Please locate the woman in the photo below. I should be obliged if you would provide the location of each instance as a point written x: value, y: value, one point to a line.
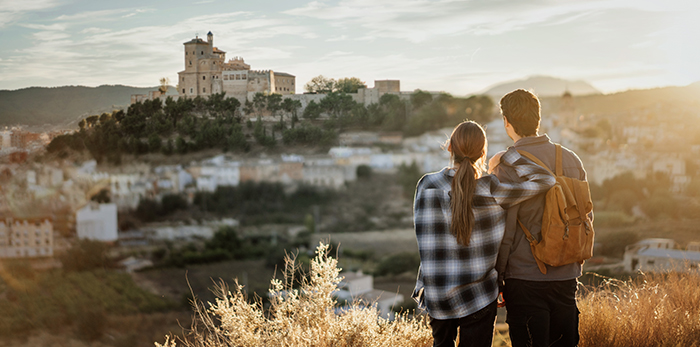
x: 459, y: 218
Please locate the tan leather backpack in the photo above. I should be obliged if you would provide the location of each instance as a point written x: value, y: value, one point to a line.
x: 567, y: 231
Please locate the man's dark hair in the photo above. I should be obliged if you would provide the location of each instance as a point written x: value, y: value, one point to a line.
x: 522, y: 110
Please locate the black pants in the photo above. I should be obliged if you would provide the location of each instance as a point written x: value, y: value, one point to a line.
x: 474, y: 330
x: 542, y: 314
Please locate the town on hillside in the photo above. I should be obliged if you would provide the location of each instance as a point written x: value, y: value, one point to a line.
x: 238, y: 155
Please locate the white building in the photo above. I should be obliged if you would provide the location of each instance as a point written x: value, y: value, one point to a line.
x: 358, y: 286
x: 324, y: 174
x: 21, y: 238
x: 225, y: 174
x: 658, y: 255
x: 6, y: 138
x: 97, y: 222
x: 128, y: 189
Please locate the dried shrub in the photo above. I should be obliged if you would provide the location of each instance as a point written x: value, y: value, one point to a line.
x: 651, y: 310
x: 302, y: 312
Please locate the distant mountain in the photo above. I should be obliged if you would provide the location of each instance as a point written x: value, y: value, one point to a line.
x: 63, y: 105
x: 662, y: 98
x: 543, y: 86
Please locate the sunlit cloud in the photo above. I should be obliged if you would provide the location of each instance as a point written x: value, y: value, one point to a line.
x: 419, y: 20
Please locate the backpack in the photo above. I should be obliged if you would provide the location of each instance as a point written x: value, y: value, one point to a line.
x: 567, y: 230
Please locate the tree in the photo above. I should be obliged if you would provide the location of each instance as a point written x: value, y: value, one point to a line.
x: 291, y: 106
x: 259, y: 103
x: 92, y: 120
x: 274, y: 105
x: 395, y: 111
x: 349, y: 85
x: 164, y: 85
x: 337, y: 104
x: 312, y: 110
x: 320, y: 85
x: 248, y: 108
x: 420, y: 98
x: 154, y: 143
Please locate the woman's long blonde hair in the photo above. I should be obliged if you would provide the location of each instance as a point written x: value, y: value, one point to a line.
x: 467, y: 146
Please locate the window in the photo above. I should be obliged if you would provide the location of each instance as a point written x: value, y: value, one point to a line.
x: 185, y: 52
x: 191, y: 90
x: 183, y: 79
x: 204, y: 90
x: 190, y: 62
x: 204, y: 77
x: 202, y: 53
x: 225, y: 77
x: 238, y: 77
x: 183, y: 90
x: 244, y: 76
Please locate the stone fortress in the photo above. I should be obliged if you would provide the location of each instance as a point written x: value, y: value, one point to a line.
x: 207, y: 72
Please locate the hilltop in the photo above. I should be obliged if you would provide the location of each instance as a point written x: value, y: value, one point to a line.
x: 63, y: 105
x: 543, y: 86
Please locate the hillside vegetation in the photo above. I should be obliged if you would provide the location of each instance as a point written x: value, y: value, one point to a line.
x: 62, y: 105
x: 189, y: 125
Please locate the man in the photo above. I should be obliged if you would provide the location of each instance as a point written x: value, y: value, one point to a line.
x: 541, y: 308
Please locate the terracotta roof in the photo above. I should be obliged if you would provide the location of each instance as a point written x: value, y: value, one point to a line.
x: 217, y: 50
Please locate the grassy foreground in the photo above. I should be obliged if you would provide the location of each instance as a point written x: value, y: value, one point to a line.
x: 651, y: 310
x: 300, y: 315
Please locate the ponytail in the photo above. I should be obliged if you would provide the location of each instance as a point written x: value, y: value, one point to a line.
x: 463, y: 186
x: 468, y: 148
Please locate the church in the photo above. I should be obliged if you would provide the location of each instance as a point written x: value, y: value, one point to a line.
x: 207, y: 72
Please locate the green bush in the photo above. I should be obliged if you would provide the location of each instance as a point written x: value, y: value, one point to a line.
x: 398, y: 263
x: 364, y: 171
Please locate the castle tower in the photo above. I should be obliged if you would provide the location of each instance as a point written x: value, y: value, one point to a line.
x: 202, y: 74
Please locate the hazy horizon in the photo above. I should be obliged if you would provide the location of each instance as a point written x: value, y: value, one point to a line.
x: 460, y: 47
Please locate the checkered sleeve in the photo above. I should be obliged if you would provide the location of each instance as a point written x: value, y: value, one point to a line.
x: 538, y: 180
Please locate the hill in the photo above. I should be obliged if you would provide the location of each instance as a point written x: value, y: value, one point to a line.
x: 686, y: 97
x: 543, y: 86
x: 62, y: 105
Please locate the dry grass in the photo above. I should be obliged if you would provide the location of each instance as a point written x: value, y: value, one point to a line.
x: 652, y: 310
x: 300, y: 315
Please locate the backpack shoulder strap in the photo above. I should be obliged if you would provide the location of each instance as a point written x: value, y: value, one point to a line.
x: 529, y: 155
x: 558, y: 168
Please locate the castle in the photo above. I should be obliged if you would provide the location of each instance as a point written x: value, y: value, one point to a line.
x: 207, y: 72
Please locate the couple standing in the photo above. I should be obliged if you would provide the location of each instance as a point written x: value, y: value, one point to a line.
x: 465, y: 225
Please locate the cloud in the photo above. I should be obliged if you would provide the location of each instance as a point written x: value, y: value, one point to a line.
x: 52, y: 27
x: 419, y: 20
x: 92, y: 16
x: 94, y: 30
x: 12, y: 11
x: 139, y: 55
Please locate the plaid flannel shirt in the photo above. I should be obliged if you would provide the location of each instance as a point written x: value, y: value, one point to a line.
x: 455, y: 281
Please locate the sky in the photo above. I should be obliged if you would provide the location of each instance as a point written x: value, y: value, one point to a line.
x: 460, y: 47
